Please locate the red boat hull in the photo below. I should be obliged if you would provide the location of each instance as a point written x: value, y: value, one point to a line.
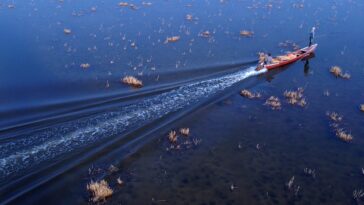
x: 300, y: 54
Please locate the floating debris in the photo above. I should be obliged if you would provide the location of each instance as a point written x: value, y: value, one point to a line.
x: 295, y: 97
x: 172, y: 39
x: 342, y: 135
x: 132, y: 81
x: 11, y: 6
x: 99, y: 190
x: 248, y: 94
x: 273, y: 102
x: 67, y: 31
x: 172, y: 136
x: 184, y: 131
x: 246, y: 33
x: 85, y: 65
x: 337, y: 72
x: 119, y: 181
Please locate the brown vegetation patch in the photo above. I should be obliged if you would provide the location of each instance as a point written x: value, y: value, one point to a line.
x: 273, y: 102
x: 132, y: 81
x: 172, y: 136
x: 184, y: 131
x: 246, y: 33
x: 335, y: 117
x: 172, y: 39
x: 337, y: 72
x: 250, y: 95
x: 344, y: 136
x: 99, y: 190
x: 67, y: 31
x: 295, y: 97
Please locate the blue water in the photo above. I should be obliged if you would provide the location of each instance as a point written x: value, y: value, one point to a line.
x: 58, y: 119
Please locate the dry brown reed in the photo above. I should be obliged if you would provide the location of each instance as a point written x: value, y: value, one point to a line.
x: 132, y: 81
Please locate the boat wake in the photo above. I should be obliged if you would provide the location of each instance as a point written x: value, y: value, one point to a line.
x: 27, y: 152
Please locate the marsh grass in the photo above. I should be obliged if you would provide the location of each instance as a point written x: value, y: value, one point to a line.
x: 184, y: 131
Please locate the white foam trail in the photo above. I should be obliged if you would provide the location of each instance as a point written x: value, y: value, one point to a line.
x: 28, y: 151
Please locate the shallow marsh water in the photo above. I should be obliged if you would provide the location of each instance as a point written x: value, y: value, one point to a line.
x: 60, y: 121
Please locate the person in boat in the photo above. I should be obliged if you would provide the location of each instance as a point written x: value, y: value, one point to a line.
x: 312, y: 36
x: 261, y: 61
x: 268, y: 59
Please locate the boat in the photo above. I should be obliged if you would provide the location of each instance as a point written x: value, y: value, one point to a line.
x: 289, y: 58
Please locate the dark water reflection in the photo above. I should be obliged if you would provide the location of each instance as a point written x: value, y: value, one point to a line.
x: 42, y: 86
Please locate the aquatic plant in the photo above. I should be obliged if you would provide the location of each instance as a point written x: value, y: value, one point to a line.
x: 295, y: 97
x: 67, y: 31
x: 248, y: 94
x: 337, y: 72
x: 172, y: 39
x: 189, y: 17
x: 184, y: 131
x: 99, y: 190
x: 205, y: 34
x: 113, y: 169
x: 119, y: 181
x: 334, y: 116
x: 342, y: 135
x: 172, y: 136
x: 85, y: 65
x: 123, y: 4
x: 290, y: 183
x: 358, y: 194
x: 273, y: 102
x: 246, y: 33
x: 132, y: 81
x: 310, y: 172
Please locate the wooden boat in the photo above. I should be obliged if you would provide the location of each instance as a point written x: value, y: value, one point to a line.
x: 289, y: 58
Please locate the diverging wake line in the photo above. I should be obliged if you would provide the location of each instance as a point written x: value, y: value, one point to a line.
x: 27, y: 151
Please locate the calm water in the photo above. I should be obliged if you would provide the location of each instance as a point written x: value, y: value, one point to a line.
x: 62, y: 126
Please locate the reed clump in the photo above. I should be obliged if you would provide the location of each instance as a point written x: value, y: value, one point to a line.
x: 172, y: 39
x: 99, y: 190
x: 337, y: 72
x: 273, y: 102
x: 185, y: 131
x: 246, y: 33
x: 249, y: 94
x: 132, y: 81
x: 344, y: 136
x: 172, y: 136
x: 335, y: 117
x: 295, y: 97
